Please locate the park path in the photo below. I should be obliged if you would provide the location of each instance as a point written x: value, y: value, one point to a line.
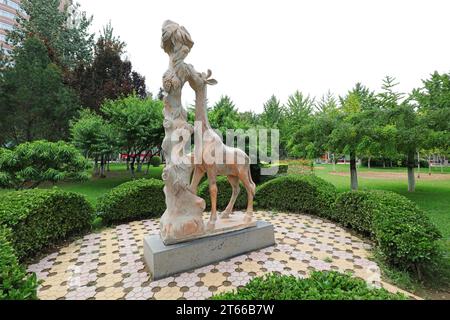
x: 395, y: 175
x: 108, y: 265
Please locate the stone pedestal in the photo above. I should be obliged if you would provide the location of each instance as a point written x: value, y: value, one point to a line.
x: 164, y: 261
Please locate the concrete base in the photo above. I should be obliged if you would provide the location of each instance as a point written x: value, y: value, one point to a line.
x: 164, y: 261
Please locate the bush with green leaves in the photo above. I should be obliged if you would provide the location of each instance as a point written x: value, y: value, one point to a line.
x: 223, y: 195
x: 143, y: 198
x: 15, y: 283
x: 404, y: 234
x: 41, y: 218
x: 319, y: 286
x: 155, y: 161
x: 355, y: 210
x: 299, y: 193
x: 32, y: 163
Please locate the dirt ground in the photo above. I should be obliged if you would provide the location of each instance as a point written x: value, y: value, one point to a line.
x: 394, y: 175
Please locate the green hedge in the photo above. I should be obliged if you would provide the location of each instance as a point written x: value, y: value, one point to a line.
x: 15, y: 283
x: 299, y: 193
x: 143, y: 198
x: 42, y: 218
x: 224, y: 194
x: 404, y: 234
x: 355, y: 210
x: 319, y: 286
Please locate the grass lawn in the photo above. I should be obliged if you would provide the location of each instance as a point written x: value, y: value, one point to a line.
x: 96, y: 187
x: 433, y: 196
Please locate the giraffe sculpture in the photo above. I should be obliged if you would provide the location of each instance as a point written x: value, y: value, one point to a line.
x: 213, y: 158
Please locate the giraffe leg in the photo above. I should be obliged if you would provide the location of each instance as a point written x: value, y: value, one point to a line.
x: 196, y: 178
x: 234, y: 181
x: 251, y: 189
x: 213, y: 194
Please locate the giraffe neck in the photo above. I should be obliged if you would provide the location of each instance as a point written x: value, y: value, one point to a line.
x: 201, y: 113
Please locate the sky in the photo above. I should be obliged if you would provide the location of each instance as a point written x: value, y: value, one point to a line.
x: 256, y: 48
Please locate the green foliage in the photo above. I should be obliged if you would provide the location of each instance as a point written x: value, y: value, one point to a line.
x: 142, y: 198
x: 300, y: 193
x: 43, y: 218
x: 356, y: 210
x: 224, y: 194
x: 403, y: 233
x: 155, y: 161
x: 319, y: 286
x: 138, y: 124
x: 109, y: 76
x: 32, y: 163
x: 15, y: 283
x: 34, y: 102
x: 224, y: 116
x: 64, y: 32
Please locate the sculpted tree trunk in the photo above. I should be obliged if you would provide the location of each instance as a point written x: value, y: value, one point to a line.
x: 183, y: 218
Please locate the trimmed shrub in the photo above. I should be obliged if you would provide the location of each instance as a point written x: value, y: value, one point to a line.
x: 143, y: 198
x: 223, y: 195
x: 42, y: 218
x: 319, y: 286
x: 404, y: 234
x: 299, y: 193
x: 15, y: 283
x: 155, y: 161
x: 355, y: 210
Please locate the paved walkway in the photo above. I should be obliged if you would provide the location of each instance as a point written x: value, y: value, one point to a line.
x: 109, y: 264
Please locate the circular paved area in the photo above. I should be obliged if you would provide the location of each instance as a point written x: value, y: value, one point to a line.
x: 109, y: 264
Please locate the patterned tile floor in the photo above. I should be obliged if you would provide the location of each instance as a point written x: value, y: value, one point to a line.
x: 109, y: 265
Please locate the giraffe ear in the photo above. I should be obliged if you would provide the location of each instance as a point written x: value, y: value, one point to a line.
x: 212, y: 82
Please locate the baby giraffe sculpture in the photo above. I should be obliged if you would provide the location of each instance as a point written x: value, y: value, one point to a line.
x: 213, y: 155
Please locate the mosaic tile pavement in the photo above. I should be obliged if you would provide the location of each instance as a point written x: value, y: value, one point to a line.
x: 109, y: 265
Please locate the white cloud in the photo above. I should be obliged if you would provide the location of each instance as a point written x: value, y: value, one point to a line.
x: 259, y: 48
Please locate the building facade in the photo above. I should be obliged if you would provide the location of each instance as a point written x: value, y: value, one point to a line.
x: 9, y: 10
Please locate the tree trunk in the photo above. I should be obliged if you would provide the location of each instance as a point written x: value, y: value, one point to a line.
x: 384, y: 164
x: 353, y: 171
x: 139, y: 164
x: 334, y: 162
x: 411, y: 177
x: 441, y: 161
x: 418, y: 165
x: 95, y: 173
x: 368, y: 162
x: 132, y: 167
x: 429, y: 165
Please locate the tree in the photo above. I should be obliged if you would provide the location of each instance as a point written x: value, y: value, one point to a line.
x: 138, y: 125
x: 406, y: 124
x: 34, y: 102
x: 298, y: 115
x: 224, y: 116
x: 434, y: 104
x: 65, y: 33
x: 353, y: 126
x: 95, y: 138
x: 109, y: 76
x: 32, y: 163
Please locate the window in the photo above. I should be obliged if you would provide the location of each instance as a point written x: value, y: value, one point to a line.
x: 7, y: 14
x: 6, y: 26
x: 12, y: 4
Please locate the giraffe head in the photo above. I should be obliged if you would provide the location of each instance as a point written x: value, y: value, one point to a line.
x: 206, y: 77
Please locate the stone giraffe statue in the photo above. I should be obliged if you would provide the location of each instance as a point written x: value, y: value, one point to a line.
x: 183, y: 218
x: 213, y: 157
